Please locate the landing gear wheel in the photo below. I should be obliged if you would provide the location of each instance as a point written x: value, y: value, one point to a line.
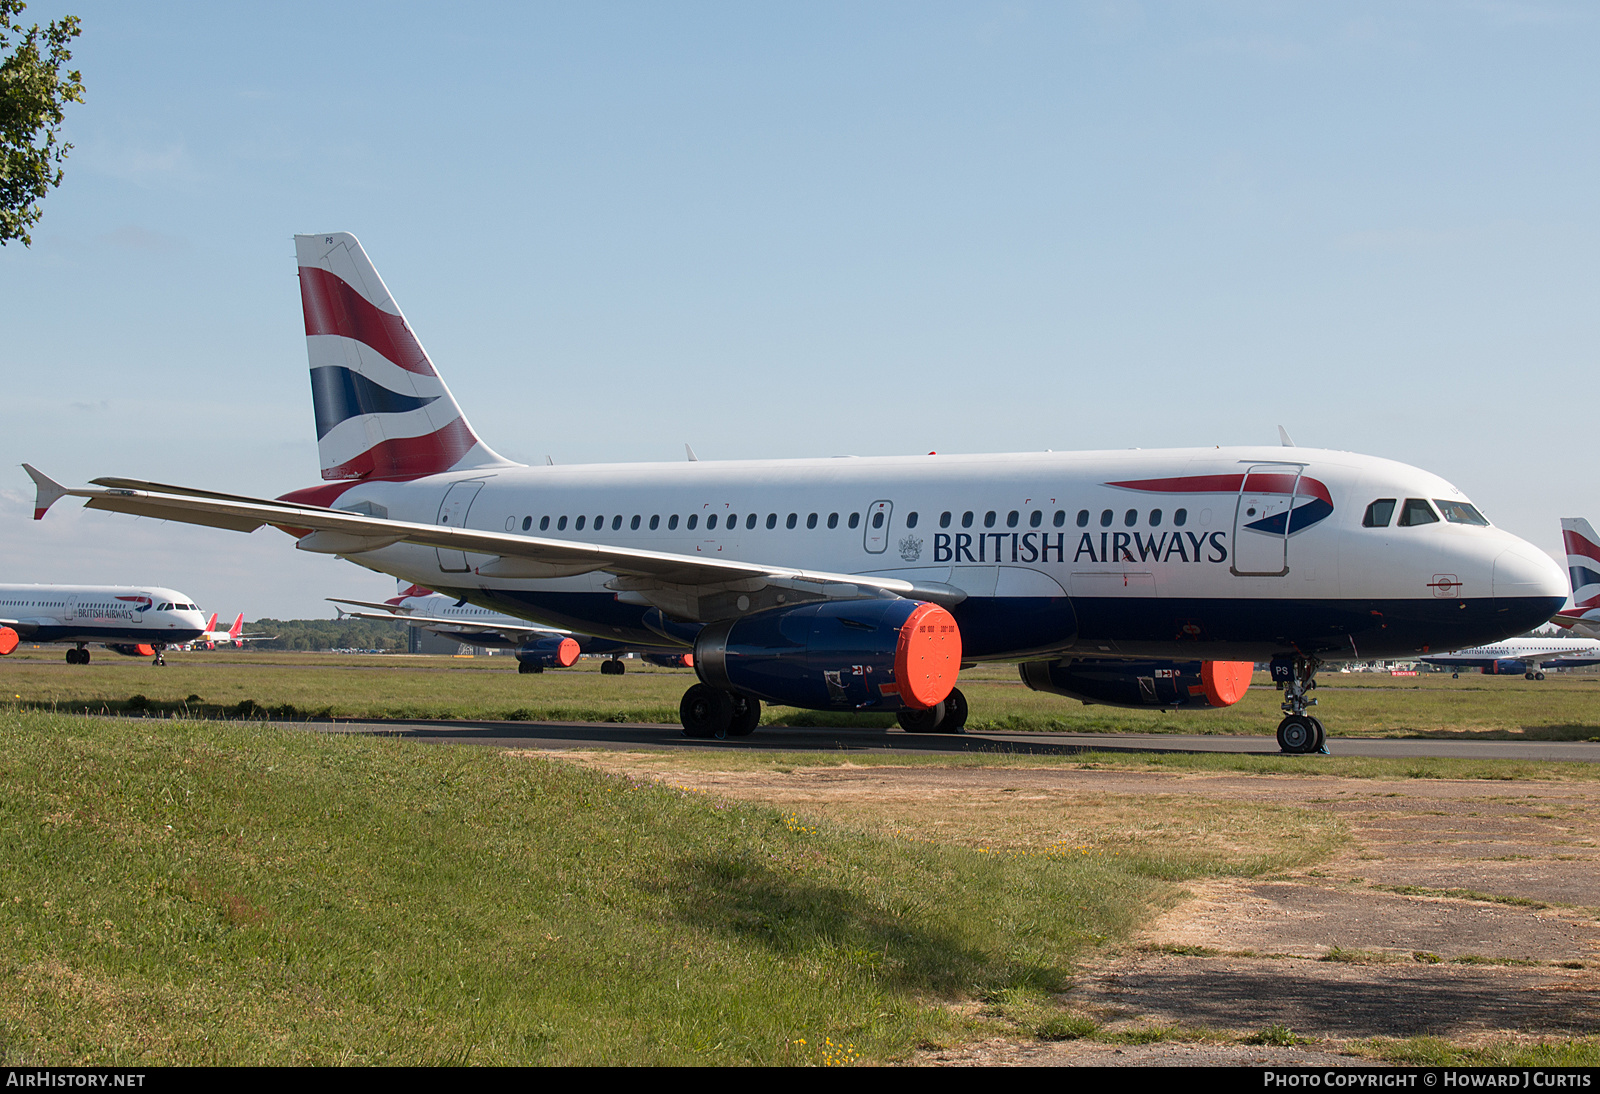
x: 77, y: 657
x: 1322, y: 735
x: 1527, y: 676
x: 955, y: 713
x: 746, y: 716
x: 1538, y: 676
x: 706, y: 711
x: 613, y: 667
x: 921, y: 721
x: 523, y: 666
x: 160, y: 661
x: 1297, y: 734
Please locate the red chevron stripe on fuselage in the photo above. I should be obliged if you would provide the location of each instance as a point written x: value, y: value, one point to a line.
x: 1264, y: 482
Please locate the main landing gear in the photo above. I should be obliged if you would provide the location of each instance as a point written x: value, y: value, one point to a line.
x: 1299, y: 732
x: 1533, y: 676
x: 613, y: 667
x: 160, y: 659
x: 949, y: 716
x: 79, y: 656
x: 711, y: 712
x: 524, y: 667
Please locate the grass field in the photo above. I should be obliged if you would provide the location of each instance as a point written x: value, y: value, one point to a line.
x: 185, y: 892
x: 233, y: 685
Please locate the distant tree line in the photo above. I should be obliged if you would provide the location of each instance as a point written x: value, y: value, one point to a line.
x: 329, y: 634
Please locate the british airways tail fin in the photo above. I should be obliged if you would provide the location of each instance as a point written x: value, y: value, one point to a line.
x: 382, y: 410
x: 1583, y: 561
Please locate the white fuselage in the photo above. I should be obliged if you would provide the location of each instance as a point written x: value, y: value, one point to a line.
x: 138, y: 614
x: 1164, y: 553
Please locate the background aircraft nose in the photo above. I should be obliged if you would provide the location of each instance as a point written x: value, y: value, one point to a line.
x: 1524, y: 572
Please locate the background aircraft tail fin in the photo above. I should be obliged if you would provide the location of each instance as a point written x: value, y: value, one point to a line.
x: 382, y: 410
x: 1583, y: 561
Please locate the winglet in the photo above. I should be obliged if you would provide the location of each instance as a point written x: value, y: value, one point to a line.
x: 49, y: 491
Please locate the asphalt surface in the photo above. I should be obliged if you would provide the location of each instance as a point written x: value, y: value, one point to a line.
x: 563, y: 735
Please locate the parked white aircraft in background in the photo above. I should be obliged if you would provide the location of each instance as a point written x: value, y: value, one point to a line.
x: 1140, y: 577
x: 1583, y: 568
x: 1524, y: 656
x: 137, y: 621
x: 234, y: 636
x: 537, y: 647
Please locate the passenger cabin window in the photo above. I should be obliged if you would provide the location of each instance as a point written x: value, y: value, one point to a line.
x: 579, y: 524
x: 833, y: 520
x: 794, y: 518
x: 855, y: 519
x: 655, y: 521
x: 1460, y: 512
x: 911, y: 519
x: 672, y: 522
x: 1155, y: 518
x: 877, y: 519
x: 1083, y: 518
x: 616, y: 523
x: 544, y: 523
x: 1417, y: 511
x: 1011, y: 519
x: 811, y: 521
x: 633, y: 525
x: 527, y: 522
x: 966, y: 519
x: 1036, y: 519
x: 772, y: 520
x: 1131, y: 517
x: 944, y: 520
x: 988, y: 519
x: 1379, y: 513
x: 711, y: 522
x: 694, y: 518
x: 1180, y: 517
x: 1106, y: 517
x: 561, y: 525
x: 750, y: 520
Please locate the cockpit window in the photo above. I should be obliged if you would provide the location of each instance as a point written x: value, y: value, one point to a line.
x: 1417, y: 511
x: 1379, y: 513
x: 1460, y: 512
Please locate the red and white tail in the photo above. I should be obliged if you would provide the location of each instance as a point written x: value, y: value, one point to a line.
x: 405, y: 591
x: 1583, y: 561
x: 382, y: 410
x: 236, y: 630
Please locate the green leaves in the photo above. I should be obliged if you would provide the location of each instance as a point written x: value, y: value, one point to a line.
x: 33, y: 93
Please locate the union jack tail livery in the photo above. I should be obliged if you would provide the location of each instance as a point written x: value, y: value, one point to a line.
x: 1583, y: 561
x: 382, y: 410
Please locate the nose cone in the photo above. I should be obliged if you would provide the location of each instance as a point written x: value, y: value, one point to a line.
x: 1524, y: 572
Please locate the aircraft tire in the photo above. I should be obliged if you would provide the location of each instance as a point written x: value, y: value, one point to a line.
x: 523, y: 666
x: 1527, y: 676
x: 1538, y: 676
x: 706, y: 712
x: 746, y: 716
x: 955, y: 713
x: 921, y: 721
x: 1297, y: 735
x: 1322, y: 734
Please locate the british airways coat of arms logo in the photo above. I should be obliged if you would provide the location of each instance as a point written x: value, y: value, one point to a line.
x: 911, y: 548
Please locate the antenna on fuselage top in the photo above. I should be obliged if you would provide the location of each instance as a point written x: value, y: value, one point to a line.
x: 1283, y: 435
x: 692, y: 457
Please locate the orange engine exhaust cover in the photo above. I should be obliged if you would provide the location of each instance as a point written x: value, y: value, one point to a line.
x: 928, y: 658
x: 1225, y: 681
x: 8, y: 640
x: 567, y: 653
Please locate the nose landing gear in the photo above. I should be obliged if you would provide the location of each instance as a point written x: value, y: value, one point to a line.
x: 1299, y: 733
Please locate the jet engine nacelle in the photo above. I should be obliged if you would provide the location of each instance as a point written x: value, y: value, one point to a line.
x: 1504, y: 667
x: 670, y: 660
x: 556, y: 651
x: 887, y: 655
x: 1144, y: 684
x: 131, y: 649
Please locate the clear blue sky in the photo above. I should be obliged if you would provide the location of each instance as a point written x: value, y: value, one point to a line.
x: 808, y: 229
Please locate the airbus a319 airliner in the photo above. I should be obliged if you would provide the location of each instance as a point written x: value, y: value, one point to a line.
x: 135, y: 621
x: 1148, y: 578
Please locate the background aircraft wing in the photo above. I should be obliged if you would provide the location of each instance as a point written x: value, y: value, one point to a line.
x: 687, y: 586
x: 464, y: 627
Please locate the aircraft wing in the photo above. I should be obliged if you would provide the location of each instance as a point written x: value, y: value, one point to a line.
x: 427, y: 621
x: 688, y: 586
x: 23, y: 627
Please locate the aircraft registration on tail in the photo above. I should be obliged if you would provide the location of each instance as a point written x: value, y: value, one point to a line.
x: 1150, y: 578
